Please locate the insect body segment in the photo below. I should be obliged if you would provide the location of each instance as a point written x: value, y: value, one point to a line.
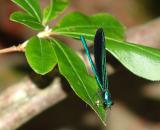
x: 107, y: 99
x: 99, y: 69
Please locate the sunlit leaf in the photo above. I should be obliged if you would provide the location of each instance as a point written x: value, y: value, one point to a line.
x: 27, y: 20
x: 32, y: 7
x: 76, y: 24
x: 142, y: 61
x: 40, y: 55
x: 54, y: 9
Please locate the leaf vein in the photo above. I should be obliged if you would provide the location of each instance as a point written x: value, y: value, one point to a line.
x: 35, y: 12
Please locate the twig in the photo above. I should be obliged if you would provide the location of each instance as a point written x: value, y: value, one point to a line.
x: 19, y: 48
x: 12, y: 49
x: 24, y: 100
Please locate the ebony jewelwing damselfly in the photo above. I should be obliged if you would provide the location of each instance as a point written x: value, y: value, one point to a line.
x: 99, y: 68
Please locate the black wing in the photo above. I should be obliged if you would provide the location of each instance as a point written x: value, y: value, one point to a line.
x: 100, y: 57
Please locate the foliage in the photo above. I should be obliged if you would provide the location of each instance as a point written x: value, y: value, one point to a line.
x: 44, y: 51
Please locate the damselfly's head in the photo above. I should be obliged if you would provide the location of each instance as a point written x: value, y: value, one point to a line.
x: 107, y: 99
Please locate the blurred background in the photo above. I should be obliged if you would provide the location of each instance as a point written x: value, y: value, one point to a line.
x: 136, y: 100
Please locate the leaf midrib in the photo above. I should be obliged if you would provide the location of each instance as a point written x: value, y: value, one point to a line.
x: 86, y: 26
x: 35, y: 12
x: 41, y: 54
x: 50, y: 11
x: 32, y: 22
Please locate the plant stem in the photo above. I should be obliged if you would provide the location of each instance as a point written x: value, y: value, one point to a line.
x: 18, y: 48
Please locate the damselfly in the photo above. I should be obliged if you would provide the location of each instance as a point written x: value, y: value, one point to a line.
x: 99, y: 68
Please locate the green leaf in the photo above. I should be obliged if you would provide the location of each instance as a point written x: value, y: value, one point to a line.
x: 32, y: 7
x: 27, y: 20
x: 74, y: 70
x: 76, y: 24
x: 55, y: 8
x: 142, y: 61
x: 40, y: 55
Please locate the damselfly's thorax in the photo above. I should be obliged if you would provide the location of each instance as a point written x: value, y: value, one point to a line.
x: 107, y: 99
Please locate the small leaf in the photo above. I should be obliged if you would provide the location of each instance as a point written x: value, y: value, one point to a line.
x: 32, y: 7
x: 74, y: 70
x: 40, y: 55
x: 27, y: 20
x: 55, y: 8
x: 76, y: 24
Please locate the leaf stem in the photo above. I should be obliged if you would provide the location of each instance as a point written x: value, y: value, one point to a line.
x: 19, y: 48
